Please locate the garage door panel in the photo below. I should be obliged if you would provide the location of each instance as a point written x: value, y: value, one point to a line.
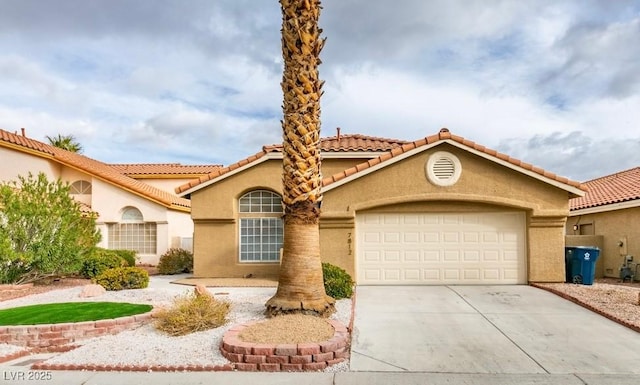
x: 461, y: 248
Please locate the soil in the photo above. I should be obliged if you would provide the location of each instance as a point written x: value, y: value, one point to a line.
x: 288, y: 329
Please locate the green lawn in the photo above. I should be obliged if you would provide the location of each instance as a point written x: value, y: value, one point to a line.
x: 53, y: 313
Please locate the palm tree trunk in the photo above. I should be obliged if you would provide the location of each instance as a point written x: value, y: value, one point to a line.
x: 300, y: 284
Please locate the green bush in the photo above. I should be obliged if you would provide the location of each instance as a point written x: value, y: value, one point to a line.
x: 192, y: 313
x: 123, y: 278
x: 43, y: 230
x: 337, y: 282
x: 176, y: 261
x: 99, y: 261
x: 128, y: 255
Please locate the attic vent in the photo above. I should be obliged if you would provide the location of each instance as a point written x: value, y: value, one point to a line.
x: 443, y: 169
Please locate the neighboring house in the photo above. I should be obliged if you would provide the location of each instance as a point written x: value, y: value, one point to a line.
x: 608, y: 217
x: 440, y: 210
x: 165, y: 176
x: 131, y: 214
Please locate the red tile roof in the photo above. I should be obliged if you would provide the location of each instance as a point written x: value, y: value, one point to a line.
x: 391, y: 148
x: 165, y: 169
x: 620, y: 187
x: 444, y: 134
x: 95, y: 168
x: 353, y: 143
x: 338, y: 143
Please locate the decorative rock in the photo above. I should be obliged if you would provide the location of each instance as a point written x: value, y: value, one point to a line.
x: 201, y: 290
x: 92, y: 291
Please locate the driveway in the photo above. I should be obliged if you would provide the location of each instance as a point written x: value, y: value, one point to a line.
x: 485, y: 329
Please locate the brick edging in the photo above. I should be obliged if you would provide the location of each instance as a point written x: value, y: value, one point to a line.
x: 53, y: 337
x: 587, y: 306
x: 251, y: 357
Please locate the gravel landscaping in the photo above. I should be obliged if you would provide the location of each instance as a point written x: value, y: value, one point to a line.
x: 146, y: 346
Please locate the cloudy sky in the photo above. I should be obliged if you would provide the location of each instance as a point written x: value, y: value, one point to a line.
x: 555, y: 83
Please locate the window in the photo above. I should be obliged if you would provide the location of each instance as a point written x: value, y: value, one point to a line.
x: 132, y: 233
x: 80, y: 187
x: 260, y: 235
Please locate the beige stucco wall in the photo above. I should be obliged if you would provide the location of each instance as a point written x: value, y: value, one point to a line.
x: 16, y: 163
x: 403, y: 186
x: 483, y: 185
x: 615, y: 227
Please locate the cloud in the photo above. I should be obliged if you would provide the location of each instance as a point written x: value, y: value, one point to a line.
x: 576, y: 155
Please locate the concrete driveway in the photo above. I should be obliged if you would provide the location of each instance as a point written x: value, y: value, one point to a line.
x: 485, y: 329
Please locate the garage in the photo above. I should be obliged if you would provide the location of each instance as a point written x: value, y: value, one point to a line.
x: 441, y: 248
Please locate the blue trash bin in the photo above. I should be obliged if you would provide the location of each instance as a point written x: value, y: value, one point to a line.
x: 580, y: 262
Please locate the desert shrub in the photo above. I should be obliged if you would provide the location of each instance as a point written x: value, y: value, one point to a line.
x: 99, y: 261
x: 337, y: 282
x: 128, y: 255
x: 192, y: 313
x: 122, y: 278
x: 176, y: 261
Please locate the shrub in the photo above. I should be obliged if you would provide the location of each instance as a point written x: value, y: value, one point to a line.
x: 129, y: 256
x: 99, y: 261
x: 337, y: 282
x: 43, y: 231
x: 192, y: 313
x: 176, y: 261
x: 122, y: 278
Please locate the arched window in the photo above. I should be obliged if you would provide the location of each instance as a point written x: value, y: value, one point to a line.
x: 131, y: 214
x: 80, y: 187
x: 132, y: 233
x: 261, y: 229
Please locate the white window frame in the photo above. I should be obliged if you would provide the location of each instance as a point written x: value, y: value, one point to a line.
x: 133, y: 233
x: 260, y: 236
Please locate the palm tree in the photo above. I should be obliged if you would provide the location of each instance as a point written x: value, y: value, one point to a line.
x: 65, y: 142
x: 300, y: 284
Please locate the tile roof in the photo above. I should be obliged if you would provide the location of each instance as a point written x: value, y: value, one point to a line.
x: 620, y: 187
x: 353, y: 143
x: 165, y: 169
x: 338, y: 143
x: 95, y: 168
x: 392, y: 148
x: 443, y: 135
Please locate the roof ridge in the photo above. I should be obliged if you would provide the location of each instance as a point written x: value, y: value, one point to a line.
x: 442, y: 135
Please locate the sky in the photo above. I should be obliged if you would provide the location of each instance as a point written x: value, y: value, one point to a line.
x: 555, y: 83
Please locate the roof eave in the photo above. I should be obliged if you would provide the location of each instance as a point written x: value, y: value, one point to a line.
x: 264, y: 158
x: 605, y: 208
x: 564, y: 186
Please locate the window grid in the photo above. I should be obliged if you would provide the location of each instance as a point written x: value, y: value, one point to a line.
x: 141, y: 237
x: 261, y: 201
x: 80, y: 187
x: 260, y: 239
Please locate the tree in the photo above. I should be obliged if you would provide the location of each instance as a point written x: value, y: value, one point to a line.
x: 65, y: 142
x: 43, y: 231
x: 300, y: 283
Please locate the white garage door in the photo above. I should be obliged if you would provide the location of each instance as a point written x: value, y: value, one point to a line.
x: 446, y: 248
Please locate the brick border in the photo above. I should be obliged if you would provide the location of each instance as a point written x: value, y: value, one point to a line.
x: 53, y: 337
x: 253, y: 357
x: 587, y: 306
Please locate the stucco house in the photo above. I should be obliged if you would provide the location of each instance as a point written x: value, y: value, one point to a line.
x: 608, y: 217
x: 132, y: 214
x: 439, y: 210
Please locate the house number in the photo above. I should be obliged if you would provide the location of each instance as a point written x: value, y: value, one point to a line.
x: 349, y: 243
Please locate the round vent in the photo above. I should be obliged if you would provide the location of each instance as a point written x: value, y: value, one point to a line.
x: 443, y: 169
